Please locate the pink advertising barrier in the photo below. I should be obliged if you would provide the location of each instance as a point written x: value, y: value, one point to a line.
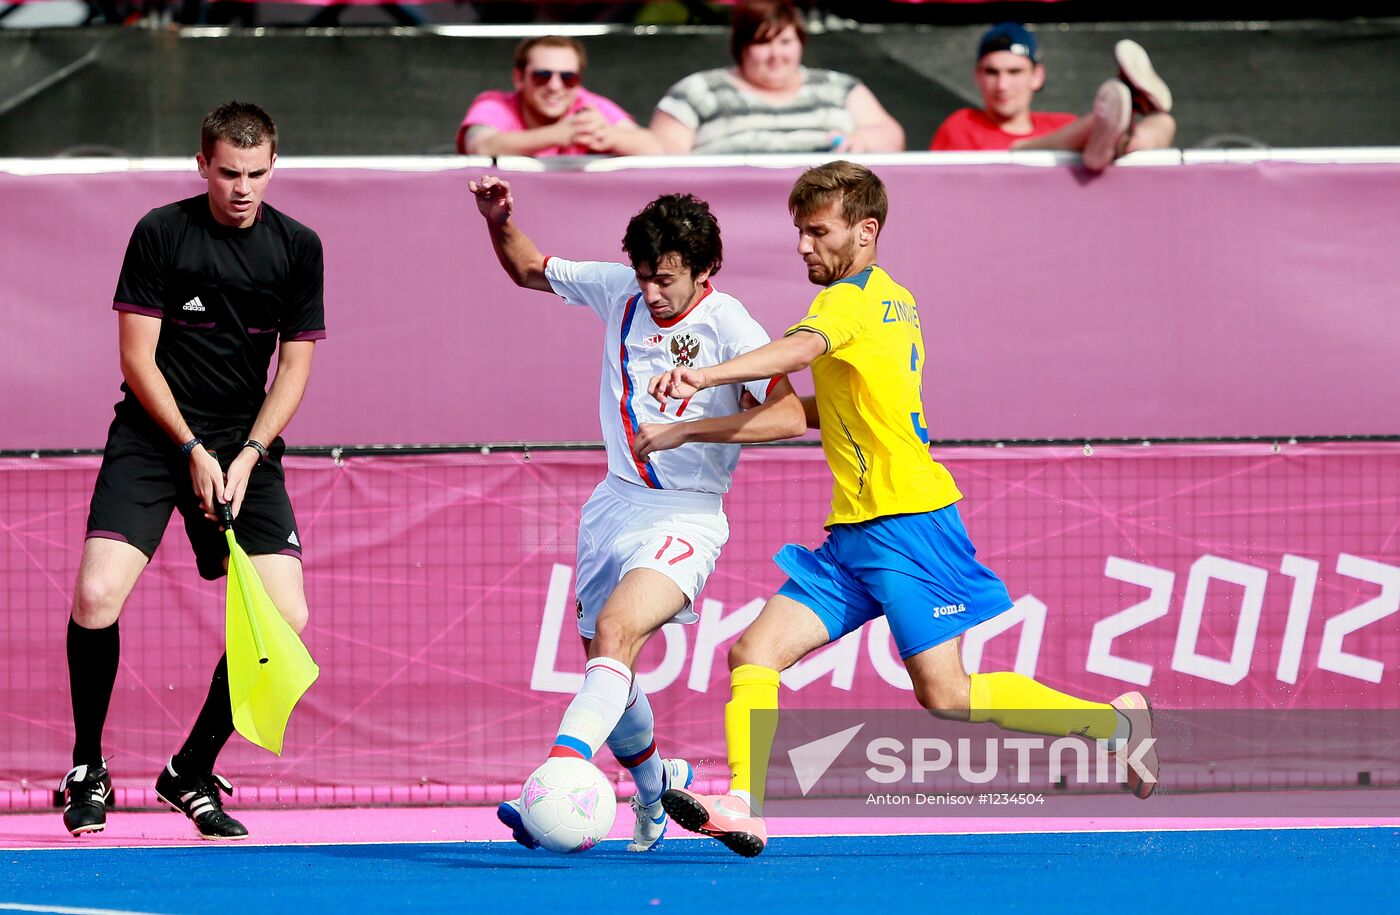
x: 1186, y: 301
x: 1212, y: 577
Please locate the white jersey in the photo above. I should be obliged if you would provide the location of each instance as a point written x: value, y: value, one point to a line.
x: 636, y: 348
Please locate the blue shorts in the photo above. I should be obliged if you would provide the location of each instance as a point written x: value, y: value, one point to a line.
x: 920, y: 571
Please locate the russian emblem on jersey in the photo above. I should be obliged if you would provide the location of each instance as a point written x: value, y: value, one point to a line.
x: 685, y: 349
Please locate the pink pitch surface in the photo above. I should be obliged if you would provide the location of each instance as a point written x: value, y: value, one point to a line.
x: 469, y: 824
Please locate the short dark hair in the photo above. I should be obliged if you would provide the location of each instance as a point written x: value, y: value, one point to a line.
x: 243, y: 124
x: 759, y: 21
x: 860, y: 192
x: 681, y: 223
x: 522, y: 50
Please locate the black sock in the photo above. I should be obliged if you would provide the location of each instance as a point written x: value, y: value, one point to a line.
x: 93, y: 655
x: 211, y: 730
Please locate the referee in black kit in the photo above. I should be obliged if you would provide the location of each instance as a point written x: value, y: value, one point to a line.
x: 210, y: 288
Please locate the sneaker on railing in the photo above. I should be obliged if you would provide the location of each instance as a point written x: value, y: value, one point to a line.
x: 86, y: 792
x: 197, y: 797
x: 1113, y: 115
x: 1149, y: 91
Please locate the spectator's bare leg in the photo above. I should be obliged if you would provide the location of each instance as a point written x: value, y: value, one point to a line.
x: 1156, y: 131
x: 1071, y: 137
x: 1102, y: 136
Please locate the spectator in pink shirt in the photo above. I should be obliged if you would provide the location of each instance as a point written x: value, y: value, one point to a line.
x: 550, y: 113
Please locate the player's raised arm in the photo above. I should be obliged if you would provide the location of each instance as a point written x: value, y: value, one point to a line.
x: 792, y: 353
x: 522, y: 261
x: 780, y: 416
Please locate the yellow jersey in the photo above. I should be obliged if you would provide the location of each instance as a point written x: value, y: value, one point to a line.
x: 870, y: 403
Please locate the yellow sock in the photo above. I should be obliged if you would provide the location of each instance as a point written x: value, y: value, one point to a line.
x: 749, y: 736
x: 1019, y: 703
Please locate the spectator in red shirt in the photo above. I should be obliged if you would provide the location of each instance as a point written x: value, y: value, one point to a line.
x: 1009, y: 73
x: 550, y: 113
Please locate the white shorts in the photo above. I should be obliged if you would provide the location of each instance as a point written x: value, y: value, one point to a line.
x: 625, y: 527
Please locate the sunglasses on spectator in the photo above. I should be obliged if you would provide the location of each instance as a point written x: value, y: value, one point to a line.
x: 570, y: 78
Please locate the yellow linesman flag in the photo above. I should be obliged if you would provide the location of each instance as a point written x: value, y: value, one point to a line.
x: 269, y: 669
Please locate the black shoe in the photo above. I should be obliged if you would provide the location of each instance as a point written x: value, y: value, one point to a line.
x: 197, y: 797
x: 86, y: 791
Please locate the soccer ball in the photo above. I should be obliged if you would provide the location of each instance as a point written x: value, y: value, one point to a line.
x: 568, y: 805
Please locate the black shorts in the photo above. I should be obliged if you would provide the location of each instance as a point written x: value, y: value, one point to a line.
x: 144, y: 477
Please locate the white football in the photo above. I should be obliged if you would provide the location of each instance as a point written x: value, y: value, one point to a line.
x: 568, y: 805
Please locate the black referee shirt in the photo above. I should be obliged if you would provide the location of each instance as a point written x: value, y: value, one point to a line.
x: 225, y: 297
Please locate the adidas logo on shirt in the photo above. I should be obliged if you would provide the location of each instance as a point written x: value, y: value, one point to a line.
x: 194, y: 304
x: 292, y: 539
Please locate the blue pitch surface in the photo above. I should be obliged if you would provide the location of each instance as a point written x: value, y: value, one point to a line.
x: 1267, y: 870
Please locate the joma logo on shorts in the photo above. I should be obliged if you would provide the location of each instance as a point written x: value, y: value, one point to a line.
x: 949, y: 610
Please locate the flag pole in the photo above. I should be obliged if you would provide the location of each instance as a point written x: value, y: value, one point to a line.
x: 226, y: 516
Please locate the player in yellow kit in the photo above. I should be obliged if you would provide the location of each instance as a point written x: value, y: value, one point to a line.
x: 895, y: 544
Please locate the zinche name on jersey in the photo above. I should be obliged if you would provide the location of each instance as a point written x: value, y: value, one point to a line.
x: 869, y: 388
x: 636, y: 347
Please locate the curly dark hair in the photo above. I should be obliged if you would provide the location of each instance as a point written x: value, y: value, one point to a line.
x: 243, y: 124
x: 681, y: 223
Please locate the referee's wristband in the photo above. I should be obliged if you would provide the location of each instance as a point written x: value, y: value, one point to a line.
x: 188, y: 447
x: 257, y: 446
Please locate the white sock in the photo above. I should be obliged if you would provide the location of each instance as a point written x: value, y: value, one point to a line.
x: 595, y: 711
x: 633, y: 742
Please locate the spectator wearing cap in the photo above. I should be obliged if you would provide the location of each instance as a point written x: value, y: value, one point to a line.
x: 550, y: 113
x: 1009, y: 73
x: 769, y: 102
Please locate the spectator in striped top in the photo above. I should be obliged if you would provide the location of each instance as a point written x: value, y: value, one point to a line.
x: 769, y: 102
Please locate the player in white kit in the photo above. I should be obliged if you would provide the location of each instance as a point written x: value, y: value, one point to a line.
x: 651, y: 532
